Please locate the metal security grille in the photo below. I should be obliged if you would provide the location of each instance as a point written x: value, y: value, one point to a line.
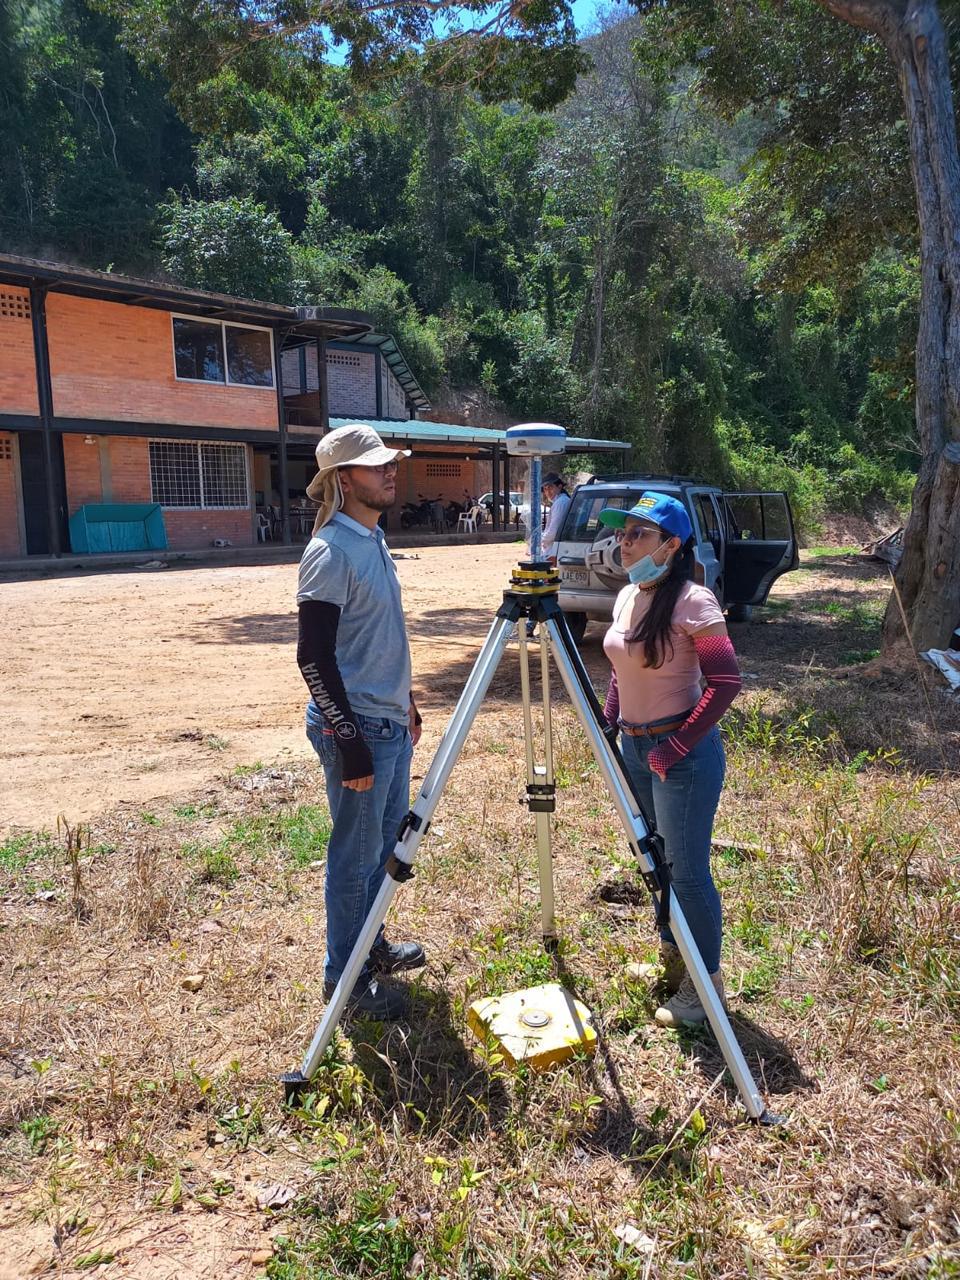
x: 223, y: 475
x: 14, y: 306
x: 198, y: 475
x: 444, y: 470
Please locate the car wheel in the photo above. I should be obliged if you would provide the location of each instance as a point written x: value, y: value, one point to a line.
x: 739, y: 612
x: 577, y: 622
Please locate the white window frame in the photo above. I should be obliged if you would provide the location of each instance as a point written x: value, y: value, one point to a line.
x: 222, y: 325
x: 198, y: 445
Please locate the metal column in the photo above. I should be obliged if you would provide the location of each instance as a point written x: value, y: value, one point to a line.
x: 41, y: 352
x: 495, y: 488
x: 322, y: 393
x: 278, y: 338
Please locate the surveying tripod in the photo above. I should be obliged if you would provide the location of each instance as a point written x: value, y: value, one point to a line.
x: 532, y: 595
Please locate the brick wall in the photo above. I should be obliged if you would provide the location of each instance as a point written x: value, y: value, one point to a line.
x: 187, y: 530
x: 9, y: 522
x: 109, y: 360
x: 81, y: 463
x: 351, y: 384
x: 117, y: 469
x: 18, y: 380
x: 394, y: 399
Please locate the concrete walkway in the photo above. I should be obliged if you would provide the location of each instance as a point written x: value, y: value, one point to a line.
x: 262, y: 553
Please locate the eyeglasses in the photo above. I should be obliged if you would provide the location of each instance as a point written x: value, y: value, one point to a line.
x: 636, y: 533
x: 388, y: 468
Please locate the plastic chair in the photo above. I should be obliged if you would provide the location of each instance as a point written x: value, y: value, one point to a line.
x: 263, y: 528
x: 467, y: 522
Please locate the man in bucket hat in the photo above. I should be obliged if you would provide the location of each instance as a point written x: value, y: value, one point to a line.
x: 361, y: 717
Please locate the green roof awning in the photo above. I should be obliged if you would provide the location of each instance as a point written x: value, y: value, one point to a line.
x: 417, y: 432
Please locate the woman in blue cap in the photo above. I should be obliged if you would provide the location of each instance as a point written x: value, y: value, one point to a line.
x: 667, y: 640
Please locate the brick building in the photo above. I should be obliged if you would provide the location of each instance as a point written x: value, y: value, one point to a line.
x: 115, y: 390
x: 122, y: 391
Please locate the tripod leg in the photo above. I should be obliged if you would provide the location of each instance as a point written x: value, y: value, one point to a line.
x: 412, y: 830
x: 634, y: 822
x: 540, y: 785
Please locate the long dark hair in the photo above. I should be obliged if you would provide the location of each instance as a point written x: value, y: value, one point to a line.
x: 653, y: 629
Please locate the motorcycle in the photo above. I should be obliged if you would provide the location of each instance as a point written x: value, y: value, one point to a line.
x: 415, y: 515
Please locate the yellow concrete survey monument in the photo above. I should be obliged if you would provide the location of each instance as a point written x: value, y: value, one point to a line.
x: 542, y: 1025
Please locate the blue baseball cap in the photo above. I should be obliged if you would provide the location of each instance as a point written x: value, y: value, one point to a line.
x: 660, y: 509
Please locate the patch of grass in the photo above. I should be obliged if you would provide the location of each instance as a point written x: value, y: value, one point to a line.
x: 300, y: 835
x: 244, y: 770
x: 213, y: 742
x: 38, y: 1131
x: 19, y: 851
x: 217, y: 864
x: 853, y: 657
x: 370, y: 1242
x: 819, y: 553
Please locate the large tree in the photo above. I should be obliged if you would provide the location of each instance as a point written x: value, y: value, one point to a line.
x: 830, y: 163
x: 213, y: 54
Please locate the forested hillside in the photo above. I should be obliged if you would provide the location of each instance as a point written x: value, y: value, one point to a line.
x: 628, y: 263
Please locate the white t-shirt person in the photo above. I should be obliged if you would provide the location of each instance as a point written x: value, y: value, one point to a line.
x: 559, y: 500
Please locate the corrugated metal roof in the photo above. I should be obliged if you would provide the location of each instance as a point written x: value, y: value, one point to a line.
x: 456, y: 433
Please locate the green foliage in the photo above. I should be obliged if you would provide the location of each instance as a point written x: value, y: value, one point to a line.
x: 231, y: 246
x: 704, y: 250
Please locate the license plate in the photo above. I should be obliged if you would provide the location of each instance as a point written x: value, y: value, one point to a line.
x: 578, y: 576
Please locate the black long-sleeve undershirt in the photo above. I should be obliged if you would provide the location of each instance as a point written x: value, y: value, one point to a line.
x: 317, y: 660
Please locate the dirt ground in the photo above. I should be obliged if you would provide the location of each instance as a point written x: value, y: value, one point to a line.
x: 123, y: 687
x: 119, y: 688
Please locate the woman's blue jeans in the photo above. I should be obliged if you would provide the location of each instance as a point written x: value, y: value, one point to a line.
x: 364, y: 827
x: 683, y: 809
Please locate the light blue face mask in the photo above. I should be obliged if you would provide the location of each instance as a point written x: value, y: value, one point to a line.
x: 646, y: 570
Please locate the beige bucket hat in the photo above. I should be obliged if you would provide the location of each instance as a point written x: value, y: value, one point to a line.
x: 355, y: 445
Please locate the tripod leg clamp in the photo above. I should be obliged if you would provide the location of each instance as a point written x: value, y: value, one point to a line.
x: 541, y: 797
x: 657, y: 879
x: 397, y: 870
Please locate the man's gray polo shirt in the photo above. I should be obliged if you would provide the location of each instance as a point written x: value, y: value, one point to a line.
x: 349, y: 565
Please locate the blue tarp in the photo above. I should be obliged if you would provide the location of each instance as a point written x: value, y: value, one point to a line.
x: 118, y: 526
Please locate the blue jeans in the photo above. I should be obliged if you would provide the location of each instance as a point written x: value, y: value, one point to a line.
x: 683, y: 809
x: 364, y: 827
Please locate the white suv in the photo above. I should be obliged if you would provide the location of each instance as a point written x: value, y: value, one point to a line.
x: 743, y: 542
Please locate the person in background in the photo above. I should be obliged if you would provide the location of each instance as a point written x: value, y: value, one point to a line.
x: 555, y: 493
x: 361, y: 718
x: 667, y: 635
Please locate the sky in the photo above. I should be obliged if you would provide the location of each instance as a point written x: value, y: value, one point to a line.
x: 584, y: 13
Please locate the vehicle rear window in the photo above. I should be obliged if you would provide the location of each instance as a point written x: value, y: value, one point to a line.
x: 757, y: 516
x: 583, y: 518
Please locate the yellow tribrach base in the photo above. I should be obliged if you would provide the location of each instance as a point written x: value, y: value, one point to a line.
x: 539, y: 1026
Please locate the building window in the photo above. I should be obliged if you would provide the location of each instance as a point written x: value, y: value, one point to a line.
x: 443, y: 470
x: 198, y: 350
x: 249, y: 356
x: 208, y: 351
x: 188, y: 474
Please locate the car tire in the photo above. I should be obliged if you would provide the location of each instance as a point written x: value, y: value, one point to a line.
x: 739, y: 612
x: 577, y: 623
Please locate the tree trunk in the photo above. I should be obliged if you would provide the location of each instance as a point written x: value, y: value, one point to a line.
x: 928, y: 575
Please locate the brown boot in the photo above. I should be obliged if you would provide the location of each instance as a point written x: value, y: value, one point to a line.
x: 685, y: 1006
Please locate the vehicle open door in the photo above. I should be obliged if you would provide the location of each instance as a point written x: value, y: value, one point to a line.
x: 760, y: 545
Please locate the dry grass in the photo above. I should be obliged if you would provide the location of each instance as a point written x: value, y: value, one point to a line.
x: 138, y: 1118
